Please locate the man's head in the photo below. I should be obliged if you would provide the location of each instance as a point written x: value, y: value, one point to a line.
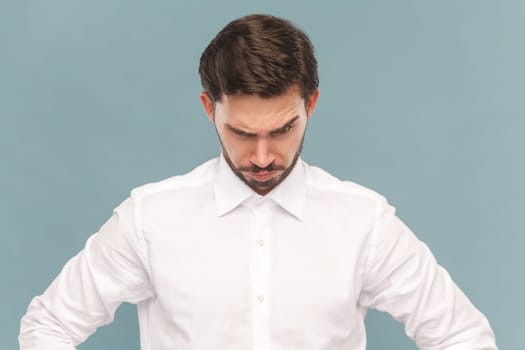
x: 258, y: 55
x: 261, y: 85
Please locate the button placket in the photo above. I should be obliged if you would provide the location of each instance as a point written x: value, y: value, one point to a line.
x: 260, y: 275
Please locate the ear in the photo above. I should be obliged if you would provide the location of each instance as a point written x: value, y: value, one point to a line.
x: 207, y: 103
x: 312, y: 102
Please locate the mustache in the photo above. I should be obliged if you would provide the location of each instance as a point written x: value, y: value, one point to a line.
x: 257, y: 169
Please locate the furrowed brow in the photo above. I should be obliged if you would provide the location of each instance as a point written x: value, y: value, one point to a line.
x: 239, y: 131
x: 251, y: 134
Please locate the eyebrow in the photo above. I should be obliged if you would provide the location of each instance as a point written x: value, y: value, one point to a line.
x: 274, y: 131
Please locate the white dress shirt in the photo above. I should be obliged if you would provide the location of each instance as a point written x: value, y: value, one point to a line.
x: 213, y: 265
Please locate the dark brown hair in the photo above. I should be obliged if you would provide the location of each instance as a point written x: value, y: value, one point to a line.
x: 258, y: 55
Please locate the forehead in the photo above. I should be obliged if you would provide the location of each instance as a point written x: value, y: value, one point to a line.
x: 252, y: 112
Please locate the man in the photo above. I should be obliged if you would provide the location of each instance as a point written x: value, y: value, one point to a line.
x: 255, y: 249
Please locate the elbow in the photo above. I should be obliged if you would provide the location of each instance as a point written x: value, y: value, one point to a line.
x: 39, y: 329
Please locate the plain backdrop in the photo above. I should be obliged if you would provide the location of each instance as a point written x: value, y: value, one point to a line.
x: 422, y: 101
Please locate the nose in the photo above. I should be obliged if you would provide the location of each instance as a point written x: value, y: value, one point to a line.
x: 262, y: 155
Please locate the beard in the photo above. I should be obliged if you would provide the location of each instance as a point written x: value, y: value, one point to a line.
x: 262, y: 187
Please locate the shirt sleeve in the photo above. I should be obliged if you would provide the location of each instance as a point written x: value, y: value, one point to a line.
x: 111, y: 269
x: 404, y: 279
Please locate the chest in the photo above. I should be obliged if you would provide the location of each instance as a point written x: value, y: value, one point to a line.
x: 214, y: 267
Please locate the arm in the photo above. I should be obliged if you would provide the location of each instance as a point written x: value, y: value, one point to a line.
x: 404, y: 280
x: 110, y: 270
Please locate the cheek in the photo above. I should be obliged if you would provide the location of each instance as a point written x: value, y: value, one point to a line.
x: 288, y: 147
x: 237, y: 150
x: 293, y: 148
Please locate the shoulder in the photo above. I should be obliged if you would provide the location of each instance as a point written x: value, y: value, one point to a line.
x: 197, y: 180
x: 322, y: 184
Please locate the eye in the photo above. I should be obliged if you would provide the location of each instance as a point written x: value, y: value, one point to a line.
x: 284, y: 130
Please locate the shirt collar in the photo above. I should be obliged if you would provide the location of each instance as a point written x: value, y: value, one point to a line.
x: 291, y: 193
x: 230, y: 191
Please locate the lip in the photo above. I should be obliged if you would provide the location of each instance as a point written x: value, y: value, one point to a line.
x: 263, y: 175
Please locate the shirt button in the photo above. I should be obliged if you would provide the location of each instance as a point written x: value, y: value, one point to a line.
x: 260, y: 298
x: 260, y: 242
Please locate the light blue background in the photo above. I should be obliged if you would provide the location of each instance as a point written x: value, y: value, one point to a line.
x: 421, y: 101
